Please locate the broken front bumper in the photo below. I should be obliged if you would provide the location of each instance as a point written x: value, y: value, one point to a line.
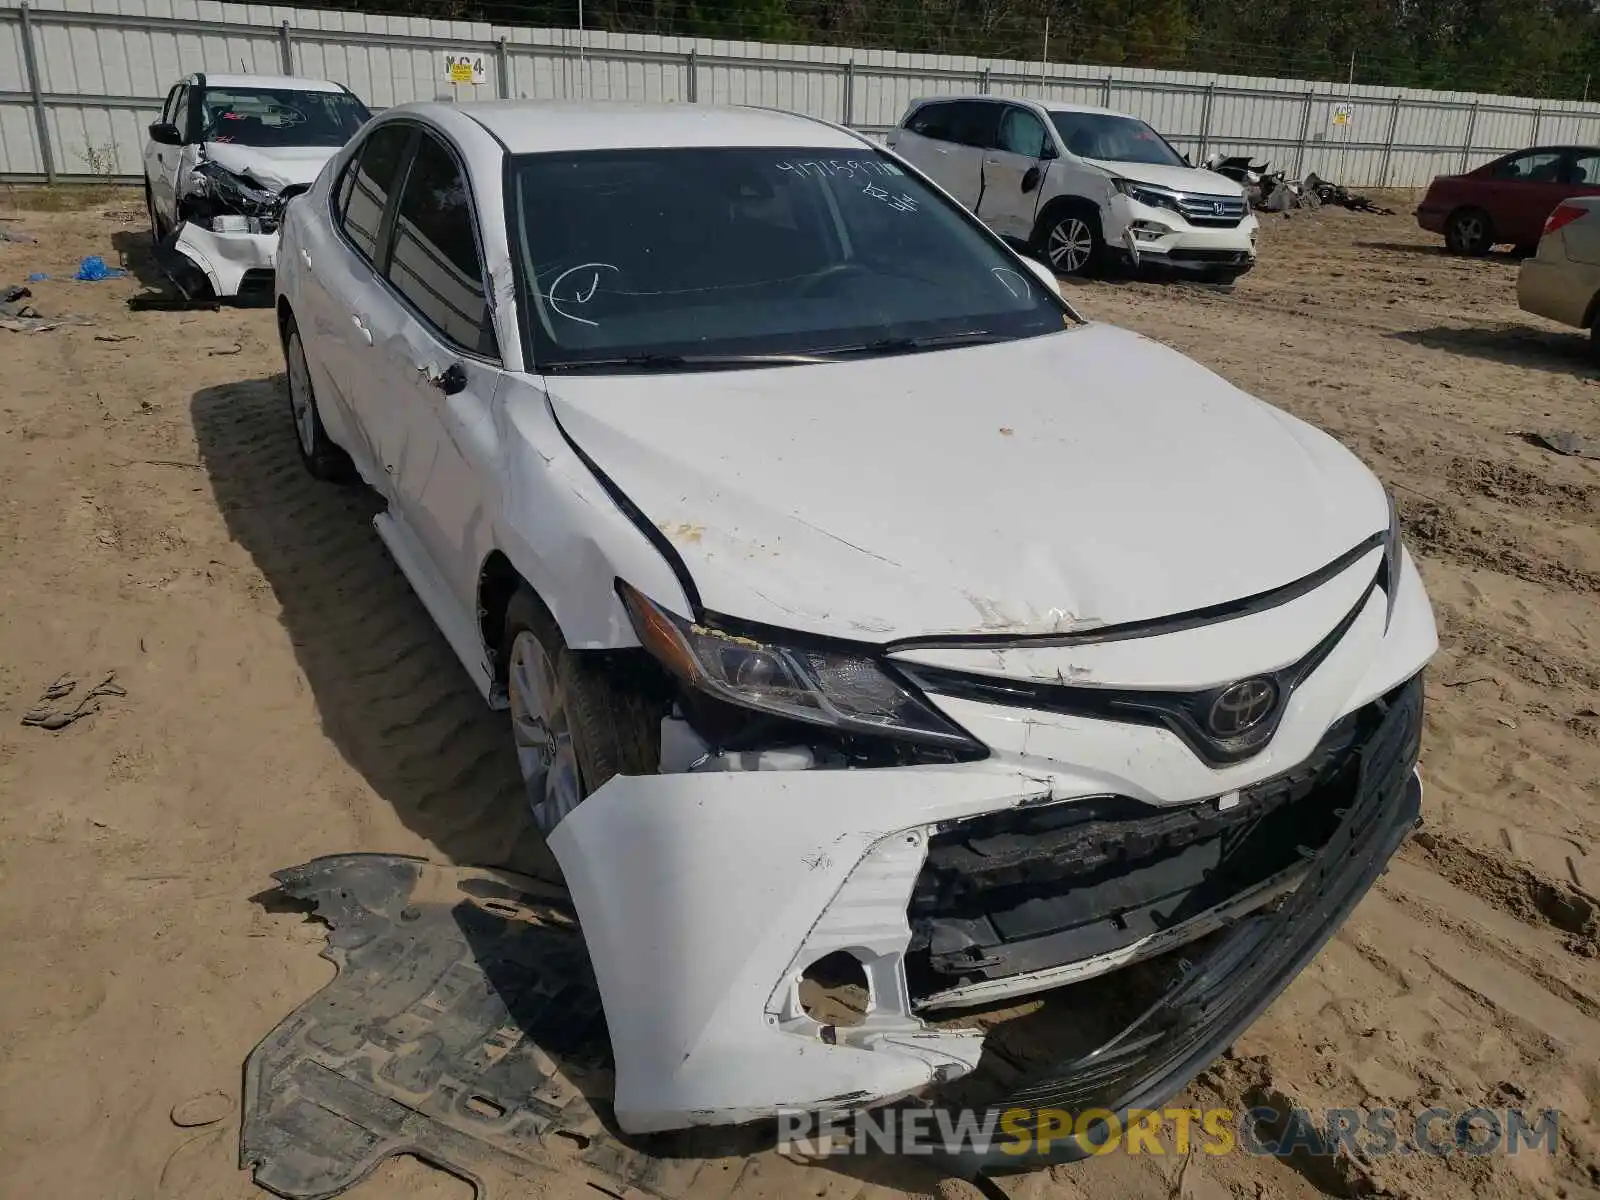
x: 229, y: 261
x: 704, y: 898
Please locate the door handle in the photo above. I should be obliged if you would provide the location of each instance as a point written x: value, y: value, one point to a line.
x: 361, y: 328
x: 305, y: 257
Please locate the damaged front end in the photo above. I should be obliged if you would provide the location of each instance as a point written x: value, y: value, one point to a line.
x: 228, y: 230
x: 843, y: 830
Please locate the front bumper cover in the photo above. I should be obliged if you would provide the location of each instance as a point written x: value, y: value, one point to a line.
x: 1222, y: 993
x: 699, y: 898
x: 226, y: 259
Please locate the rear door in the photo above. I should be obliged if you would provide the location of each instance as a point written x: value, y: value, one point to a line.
x: 926, y: 139
x: 435, y: 365
x: 1013, y: 172
x: 1522, y: 190
x: 340, y: 263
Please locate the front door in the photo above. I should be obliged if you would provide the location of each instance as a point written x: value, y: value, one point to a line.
x: 164, y: 164
x: 1013, y: 173
x: 436, y: 366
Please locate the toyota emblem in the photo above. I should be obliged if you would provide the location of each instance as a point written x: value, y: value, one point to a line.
x: 1242, y: 707
x: 1216, y: 207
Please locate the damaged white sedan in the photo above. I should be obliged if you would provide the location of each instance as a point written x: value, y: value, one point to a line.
x: 855, y: 601
x: 226, y: 155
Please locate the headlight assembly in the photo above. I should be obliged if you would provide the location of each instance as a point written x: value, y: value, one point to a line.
x: 847, y: 692
x: 1148, y: 194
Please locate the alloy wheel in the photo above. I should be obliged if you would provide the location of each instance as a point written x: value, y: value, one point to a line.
x: 1070, y: 245
x: 301, y: 402
x: 542, y: 732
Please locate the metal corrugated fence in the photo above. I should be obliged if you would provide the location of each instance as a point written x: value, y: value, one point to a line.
x: 80, y: 80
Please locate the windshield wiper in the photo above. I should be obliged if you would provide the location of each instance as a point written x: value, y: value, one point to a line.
x: 679, y: 362
x: 906, y: 345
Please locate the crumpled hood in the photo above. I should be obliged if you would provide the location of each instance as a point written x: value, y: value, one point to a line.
x: 274, y: 167
x: 1183, y: 179
x: 1066, y: 481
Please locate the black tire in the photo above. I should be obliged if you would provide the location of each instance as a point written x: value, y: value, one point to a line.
x: 321, y: 457
x: 615, y: 729
x: 1069, y: 241
x: 155, y: 221
x: 1469, y: 231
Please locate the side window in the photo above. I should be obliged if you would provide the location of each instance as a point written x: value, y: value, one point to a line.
x: 435, y: 263
x: 1584, y: 168
x: 1539, y: 166
x: 932, y: 121
x: 364, y: 190
x: 976, y: 123
x: 1021, y: 133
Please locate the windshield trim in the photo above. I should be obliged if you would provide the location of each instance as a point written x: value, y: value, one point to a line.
x: 524, y: 285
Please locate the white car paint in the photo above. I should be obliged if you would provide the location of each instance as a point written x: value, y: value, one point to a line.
x: 1019, y: 194
x: 224, y: 257
x: 1009, y: 511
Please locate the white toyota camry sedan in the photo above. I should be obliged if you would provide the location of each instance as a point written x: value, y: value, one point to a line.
x: 859, y: 608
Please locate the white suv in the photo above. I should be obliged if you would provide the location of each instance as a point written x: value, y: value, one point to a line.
x: 1080, y: 186
x: 854, y: 600
x: 225, y: 156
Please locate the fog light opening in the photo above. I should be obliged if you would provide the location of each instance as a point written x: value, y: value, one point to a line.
x: 834, y: 992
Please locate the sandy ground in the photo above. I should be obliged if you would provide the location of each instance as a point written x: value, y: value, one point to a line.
x: 286, y: 697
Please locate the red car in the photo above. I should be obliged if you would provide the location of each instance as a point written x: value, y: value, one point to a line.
x: 1507, y: 200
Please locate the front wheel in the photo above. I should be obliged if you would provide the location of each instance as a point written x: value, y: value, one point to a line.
x: 1071, y: 243
x: 574, y: 722
x: 1469, y: 231
x: 155, y: 221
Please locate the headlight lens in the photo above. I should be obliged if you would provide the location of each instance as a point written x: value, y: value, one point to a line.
x: 843, y: 691
x: 1146, y: 193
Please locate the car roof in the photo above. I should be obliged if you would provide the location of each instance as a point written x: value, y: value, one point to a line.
x: 283, y: 83
x: 538, y: 126
x: 1048, y: 105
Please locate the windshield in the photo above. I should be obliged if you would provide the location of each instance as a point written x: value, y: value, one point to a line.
x: 274, y: 117
x: 1114, y: 139
x: 744, y: 251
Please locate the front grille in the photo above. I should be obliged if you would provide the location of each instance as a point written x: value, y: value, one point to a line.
x: 1216, y: 996
x: 1212, y: 212
x: 1028, y: 889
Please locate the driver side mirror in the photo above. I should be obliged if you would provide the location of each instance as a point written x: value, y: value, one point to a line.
x: 166, y: 133
x: 1047, y: 151
x: 1186, y: 161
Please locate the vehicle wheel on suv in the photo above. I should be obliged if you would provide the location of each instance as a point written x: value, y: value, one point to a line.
x: 321, y: 457
x: 155, y: 221
x: 1070, y: 241
x: 1469, y: 231
x: 574, y: 722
